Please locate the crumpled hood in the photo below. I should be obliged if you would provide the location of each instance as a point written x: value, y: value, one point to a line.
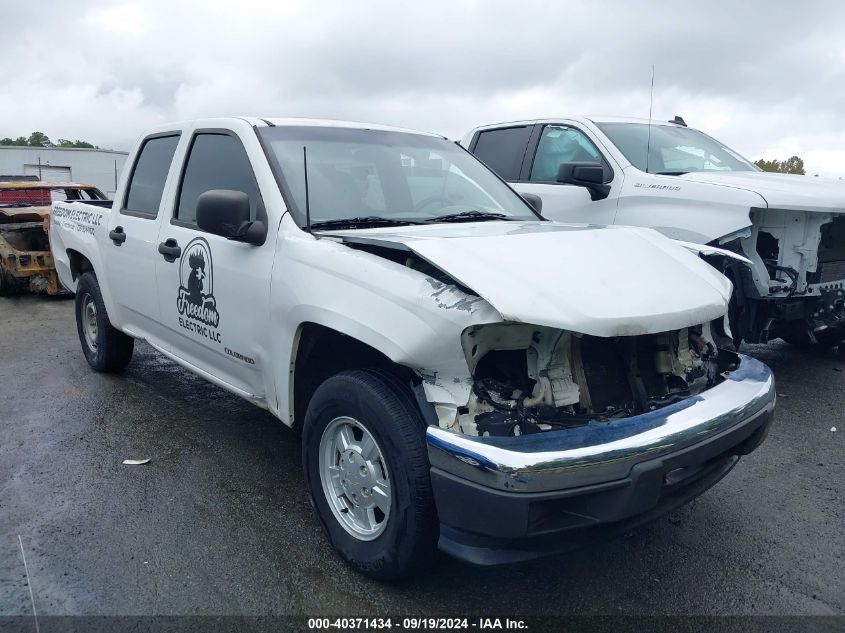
x: 781, y: 191
x: 602, y: 281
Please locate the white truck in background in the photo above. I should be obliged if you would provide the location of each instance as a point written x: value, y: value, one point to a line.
x: 691, y: 187
x: 465, y: 374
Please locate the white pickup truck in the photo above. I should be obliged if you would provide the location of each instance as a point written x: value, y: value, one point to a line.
x: 689, y: 186
x: 463, y: 372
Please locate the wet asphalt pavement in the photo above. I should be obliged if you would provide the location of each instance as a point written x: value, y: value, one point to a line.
x: 218, y: 522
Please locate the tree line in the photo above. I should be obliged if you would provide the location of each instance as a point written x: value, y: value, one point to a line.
x: 39, y: 139
x: 792, y: 165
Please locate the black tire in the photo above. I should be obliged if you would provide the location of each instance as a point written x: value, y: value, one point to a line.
x: 113, y: 349
x: 385, y: 406
x: 7, y: 284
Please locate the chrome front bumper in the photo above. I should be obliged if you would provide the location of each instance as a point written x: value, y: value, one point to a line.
x: 604, y: 452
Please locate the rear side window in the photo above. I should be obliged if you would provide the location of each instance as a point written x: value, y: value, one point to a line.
x: 146, y: 185
x: 216, y: 161
x: 503, y: 150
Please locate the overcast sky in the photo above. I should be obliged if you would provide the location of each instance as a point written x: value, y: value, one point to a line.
x: 767, y: 78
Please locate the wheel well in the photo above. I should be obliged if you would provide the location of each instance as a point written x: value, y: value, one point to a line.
x: 78, y: 263
x: 323, y: 352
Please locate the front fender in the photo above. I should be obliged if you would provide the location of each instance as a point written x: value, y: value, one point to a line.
x: 413, y: 319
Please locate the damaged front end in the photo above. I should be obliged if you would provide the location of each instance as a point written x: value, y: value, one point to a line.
x: 796, y: 286
x: 564, y: 432
x: 558, y: 395
x: 528, y: 379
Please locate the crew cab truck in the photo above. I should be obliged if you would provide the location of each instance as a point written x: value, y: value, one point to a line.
x: 691, y: 187
x: 464, y: 373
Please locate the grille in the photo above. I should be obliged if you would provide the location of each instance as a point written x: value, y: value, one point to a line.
x: 831, y: 271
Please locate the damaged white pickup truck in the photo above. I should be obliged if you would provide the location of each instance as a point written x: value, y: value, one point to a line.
x: 463, y: 372
x: 689, y: 186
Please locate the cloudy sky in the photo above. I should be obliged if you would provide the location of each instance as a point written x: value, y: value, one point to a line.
x: 767, y: 78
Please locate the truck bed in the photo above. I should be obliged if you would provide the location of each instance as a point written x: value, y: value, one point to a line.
x: 76, y: 230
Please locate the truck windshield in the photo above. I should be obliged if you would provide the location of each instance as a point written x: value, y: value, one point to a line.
x: 672, y: 149
x: 373, y: 176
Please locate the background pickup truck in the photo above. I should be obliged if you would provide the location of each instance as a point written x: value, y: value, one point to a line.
x: 691, y: 187
x: 463, y: 372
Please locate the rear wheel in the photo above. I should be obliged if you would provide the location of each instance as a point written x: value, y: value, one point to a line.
x: 106, y: 348
x: 366, y: 467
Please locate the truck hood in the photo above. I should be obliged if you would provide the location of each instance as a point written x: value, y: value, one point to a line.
x: 602, y: 281
x: 781, y: 191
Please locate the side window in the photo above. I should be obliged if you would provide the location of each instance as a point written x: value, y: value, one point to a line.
x: 215, y: 161
x: 503, y: 150
x: 149, y: 174
x: 560, y: 144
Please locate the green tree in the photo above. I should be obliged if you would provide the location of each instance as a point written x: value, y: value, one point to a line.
x: 792, y: 165
x: 768, y: 165
x: 39, y: 139
x: 20, y: 141
x: 63, y: 142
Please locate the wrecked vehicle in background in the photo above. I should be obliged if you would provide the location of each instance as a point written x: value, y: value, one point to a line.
x: 464, y: 373
x: 26, y: 263
x: 691, y: 187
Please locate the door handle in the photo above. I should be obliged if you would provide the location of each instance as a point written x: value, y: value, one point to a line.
x: 117, y: 235
x: 169, y: 249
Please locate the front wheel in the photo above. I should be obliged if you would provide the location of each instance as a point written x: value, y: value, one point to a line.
x: 106, y: 348
x: 367, y: 472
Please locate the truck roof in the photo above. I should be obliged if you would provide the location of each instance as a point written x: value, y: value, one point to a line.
x: 285, y: 121
x: 579, y: 119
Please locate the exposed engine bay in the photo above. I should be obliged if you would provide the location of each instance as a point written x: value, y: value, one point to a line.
x: 529, y: 379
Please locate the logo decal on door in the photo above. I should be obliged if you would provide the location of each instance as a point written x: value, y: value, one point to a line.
x: 196, y: 284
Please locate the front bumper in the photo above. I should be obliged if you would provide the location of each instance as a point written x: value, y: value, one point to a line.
x: 504, y: 499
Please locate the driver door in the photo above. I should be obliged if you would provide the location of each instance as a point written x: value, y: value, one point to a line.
x: 568, y: 203
x: 213, y: 293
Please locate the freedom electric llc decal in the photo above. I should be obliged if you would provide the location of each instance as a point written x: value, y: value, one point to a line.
x: 196, y: 302
x: 79, y: 220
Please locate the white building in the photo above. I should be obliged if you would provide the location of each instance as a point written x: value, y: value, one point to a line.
x: 99, y: 167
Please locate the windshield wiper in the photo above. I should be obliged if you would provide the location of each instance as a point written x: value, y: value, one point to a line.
x: 669, y: 173
x: 360, y: 222
x: 468, y: 216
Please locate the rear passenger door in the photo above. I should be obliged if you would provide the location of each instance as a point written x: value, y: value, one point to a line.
x: 130, y: 253
x: 503, y: 149
x: 214, y: 292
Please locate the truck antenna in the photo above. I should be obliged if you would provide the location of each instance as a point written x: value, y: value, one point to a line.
x: 650, y: 104
x: 307, y: 201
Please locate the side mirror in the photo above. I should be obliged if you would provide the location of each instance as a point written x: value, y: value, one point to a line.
x: 587, y: 175
x: 534, y: 200
x: 226, y: 213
